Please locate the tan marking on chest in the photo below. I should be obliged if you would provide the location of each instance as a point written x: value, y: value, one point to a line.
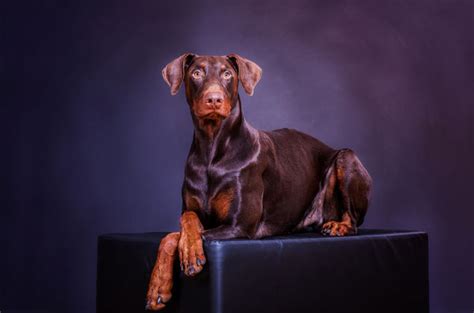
x: 192, y: 202
x: 221, y: 203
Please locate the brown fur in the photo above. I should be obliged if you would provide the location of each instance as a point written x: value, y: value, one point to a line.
x: 242, y: 182
x: 221, y: 203
x: 191, y: 253
x: 161, y: 281
x: 192, y: 202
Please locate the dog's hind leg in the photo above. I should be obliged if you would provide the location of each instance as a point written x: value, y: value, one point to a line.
x: 161, y: 281
x: 343, y: 199
x: 315, y: 216
x: 351, y: 195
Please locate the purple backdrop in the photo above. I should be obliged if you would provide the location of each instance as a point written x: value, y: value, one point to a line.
x: 93, y: 142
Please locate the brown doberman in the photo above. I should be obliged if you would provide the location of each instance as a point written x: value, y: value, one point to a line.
x: 243, y: 182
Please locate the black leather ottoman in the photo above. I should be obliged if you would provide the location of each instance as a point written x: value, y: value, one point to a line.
x: 375, y: 271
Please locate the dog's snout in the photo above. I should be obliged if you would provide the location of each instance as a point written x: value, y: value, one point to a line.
x: 214, y: 99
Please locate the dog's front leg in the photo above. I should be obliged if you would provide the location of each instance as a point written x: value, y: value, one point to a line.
x: 191, y: 252
x: 161, y: 280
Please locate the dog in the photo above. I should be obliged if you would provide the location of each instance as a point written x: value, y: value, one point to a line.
x: 244, y: 182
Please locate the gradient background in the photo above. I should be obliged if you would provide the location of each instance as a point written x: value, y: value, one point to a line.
x: 94, y: 143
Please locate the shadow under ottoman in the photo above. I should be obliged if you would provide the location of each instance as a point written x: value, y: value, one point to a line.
x: 375, y: 271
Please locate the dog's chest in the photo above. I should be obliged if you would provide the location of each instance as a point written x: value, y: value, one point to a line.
x: 217, y: 192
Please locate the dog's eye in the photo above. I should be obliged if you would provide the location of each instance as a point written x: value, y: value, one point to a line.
x: 227, y: 75
x: 197, y: 74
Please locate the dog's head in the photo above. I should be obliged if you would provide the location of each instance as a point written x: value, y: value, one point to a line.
x: 211, y: 83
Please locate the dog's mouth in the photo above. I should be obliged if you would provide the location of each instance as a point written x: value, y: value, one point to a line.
x: 204, y: 111
x: 211, y: 116
x: 210, y: 122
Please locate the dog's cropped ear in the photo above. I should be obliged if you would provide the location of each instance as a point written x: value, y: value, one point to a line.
x: 173, y: 73
x: 249, y: 72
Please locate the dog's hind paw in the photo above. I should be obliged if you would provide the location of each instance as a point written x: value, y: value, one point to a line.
x: 333, y: 228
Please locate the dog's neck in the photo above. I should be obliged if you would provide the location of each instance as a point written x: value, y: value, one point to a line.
x: 231, y: 131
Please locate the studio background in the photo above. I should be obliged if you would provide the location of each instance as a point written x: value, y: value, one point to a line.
x: 92, y: 141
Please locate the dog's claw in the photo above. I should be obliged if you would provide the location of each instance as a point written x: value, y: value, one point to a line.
x: 159, y: 300
x: 191, y: 270
x: 148, y: 305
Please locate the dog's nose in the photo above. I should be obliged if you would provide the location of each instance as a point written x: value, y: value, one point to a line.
x: 214, y: 99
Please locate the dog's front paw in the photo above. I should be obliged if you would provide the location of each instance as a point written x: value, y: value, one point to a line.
x: 159, y: 292
x: 333, y: 228
x: 191, y: 253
